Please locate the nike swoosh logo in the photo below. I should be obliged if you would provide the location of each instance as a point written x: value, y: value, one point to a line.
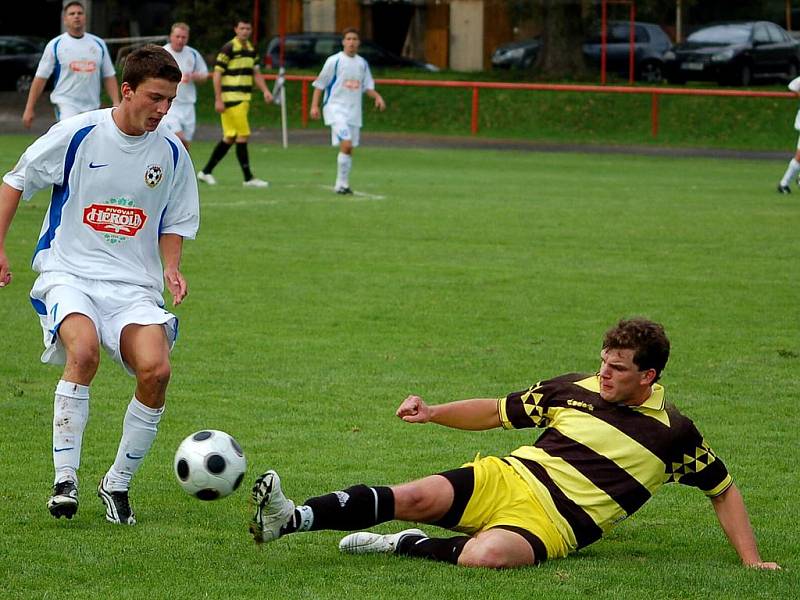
x: 94, y: 166
x: 63, y: 449
x: 132, y: 457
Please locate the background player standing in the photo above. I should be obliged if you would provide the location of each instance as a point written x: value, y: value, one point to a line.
x: 794, y: 165
x: 345, y: 76
x: 181, y: 117
x: 122, y: 193
x: 234, y: 74
x: 79, y: 60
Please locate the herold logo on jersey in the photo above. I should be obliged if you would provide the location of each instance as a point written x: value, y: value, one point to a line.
x: 83, y: 66
x: 352, y: 84
x: 153, y: 175
x: 121, y: 220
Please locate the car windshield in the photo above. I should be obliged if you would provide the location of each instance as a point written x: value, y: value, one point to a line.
x: 721, y: 34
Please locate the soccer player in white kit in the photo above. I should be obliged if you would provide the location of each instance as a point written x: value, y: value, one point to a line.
x: 345, y: 76
x: 79, y: 62
x: 793, y: 169
x: 122, y: 193
x: 181, y: 117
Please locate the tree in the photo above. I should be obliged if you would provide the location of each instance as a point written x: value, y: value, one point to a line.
x: 563, y: 33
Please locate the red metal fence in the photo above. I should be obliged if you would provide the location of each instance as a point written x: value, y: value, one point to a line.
x: 475, y: 86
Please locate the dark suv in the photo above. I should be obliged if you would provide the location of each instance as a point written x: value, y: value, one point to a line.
x: 309, y: 50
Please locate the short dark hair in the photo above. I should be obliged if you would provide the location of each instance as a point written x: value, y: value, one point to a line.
x: 150, y: 62
x: 646, y: 338
x: 347, y: 30
x: 73, y: 3
x: 242, y: 19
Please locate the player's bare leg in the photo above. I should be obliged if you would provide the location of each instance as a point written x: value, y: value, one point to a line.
x: 792, y: 171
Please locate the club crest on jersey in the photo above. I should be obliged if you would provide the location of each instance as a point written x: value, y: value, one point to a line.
x: 153, y: 175
x: 119, y: 220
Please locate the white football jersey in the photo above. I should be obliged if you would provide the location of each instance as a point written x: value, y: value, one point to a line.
x: 79, y: 66
x: 344, y: 79
x: 113, y: 196
x: 190, y: 61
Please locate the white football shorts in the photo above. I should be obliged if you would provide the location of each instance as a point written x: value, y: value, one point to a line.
x: 341, y: 132
x: 181, y: 117
x: 111, y: 305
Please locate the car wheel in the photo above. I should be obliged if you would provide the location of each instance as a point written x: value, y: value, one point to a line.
x: 24, y: 82
x: 651, y: 72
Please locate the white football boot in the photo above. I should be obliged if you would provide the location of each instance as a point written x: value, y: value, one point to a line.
x: 273, y: 509
x: 366, y: 542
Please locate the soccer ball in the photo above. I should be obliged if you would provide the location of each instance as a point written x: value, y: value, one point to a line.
x: 210, y: 464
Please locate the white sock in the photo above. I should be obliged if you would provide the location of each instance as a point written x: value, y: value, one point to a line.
x: 139, y: 429
x: 70, y: 414
x: 344, y: 163
x: 791, y: 171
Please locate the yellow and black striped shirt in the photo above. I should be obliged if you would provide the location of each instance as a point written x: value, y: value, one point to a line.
x: 597, y: 463
x: 236, y: 61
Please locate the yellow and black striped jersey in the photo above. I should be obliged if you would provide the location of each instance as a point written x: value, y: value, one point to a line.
x: 596, y: 463
x: 235, y: 62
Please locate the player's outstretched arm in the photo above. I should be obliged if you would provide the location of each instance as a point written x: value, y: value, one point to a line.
x: 112, y: 89
x: 477, y: 414
x: 9, y: 201
x: 171, y: 248
x: 732, y: 515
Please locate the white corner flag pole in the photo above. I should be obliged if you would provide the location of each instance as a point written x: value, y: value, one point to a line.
x: 279, y: 97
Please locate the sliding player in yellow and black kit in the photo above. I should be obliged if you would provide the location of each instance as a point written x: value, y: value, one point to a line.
x: 610, y: 441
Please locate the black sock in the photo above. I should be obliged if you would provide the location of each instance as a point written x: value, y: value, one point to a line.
x: 357, y: 507
x: 441, y: 549
x: 220, y: 150
x: 244, y: 159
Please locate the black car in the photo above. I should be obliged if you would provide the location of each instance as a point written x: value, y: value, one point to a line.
x: 19, y: 57
x: 309, y: 50
x: 650, y: 43
x: 734, y: 53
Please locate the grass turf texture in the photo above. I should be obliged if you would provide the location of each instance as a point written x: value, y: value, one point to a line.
x: 462, y: 274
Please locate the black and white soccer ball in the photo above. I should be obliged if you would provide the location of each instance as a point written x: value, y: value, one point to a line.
x: 210, y: 464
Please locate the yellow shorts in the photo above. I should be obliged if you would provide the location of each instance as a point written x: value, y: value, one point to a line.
x: 501, y: 498
x: 234, y: 121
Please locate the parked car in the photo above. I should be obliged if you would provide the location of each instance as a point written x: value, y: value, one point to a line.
x: 735, y: 53
x: 19, y: 57
x: 310, y: 49
x: 650, y: 43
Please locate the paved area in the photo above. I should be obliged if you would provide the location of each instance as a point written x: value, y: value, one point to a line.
x: 12, y: 105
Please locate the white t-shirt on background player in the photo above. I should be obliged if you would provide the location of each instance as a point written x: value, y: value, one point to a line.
x: 181, y: 115
x: 344, y: 79
x: 79, y: 65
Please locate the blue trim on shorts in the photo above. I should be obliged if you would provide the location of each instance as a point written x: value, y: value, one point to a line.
x: 39, y: 306
x: 61, y: 192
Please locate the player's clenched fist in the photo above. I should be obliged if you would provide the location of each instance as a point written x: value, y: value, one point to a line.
x: 414, y: 410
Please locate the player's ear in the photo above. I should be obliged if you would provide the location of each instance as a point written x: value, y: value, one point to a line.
x: 127, y: 90
x: 648, y: 376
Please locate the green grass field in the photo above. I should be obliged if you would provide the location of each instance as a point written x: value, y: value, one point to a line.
x: 453, y: 274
